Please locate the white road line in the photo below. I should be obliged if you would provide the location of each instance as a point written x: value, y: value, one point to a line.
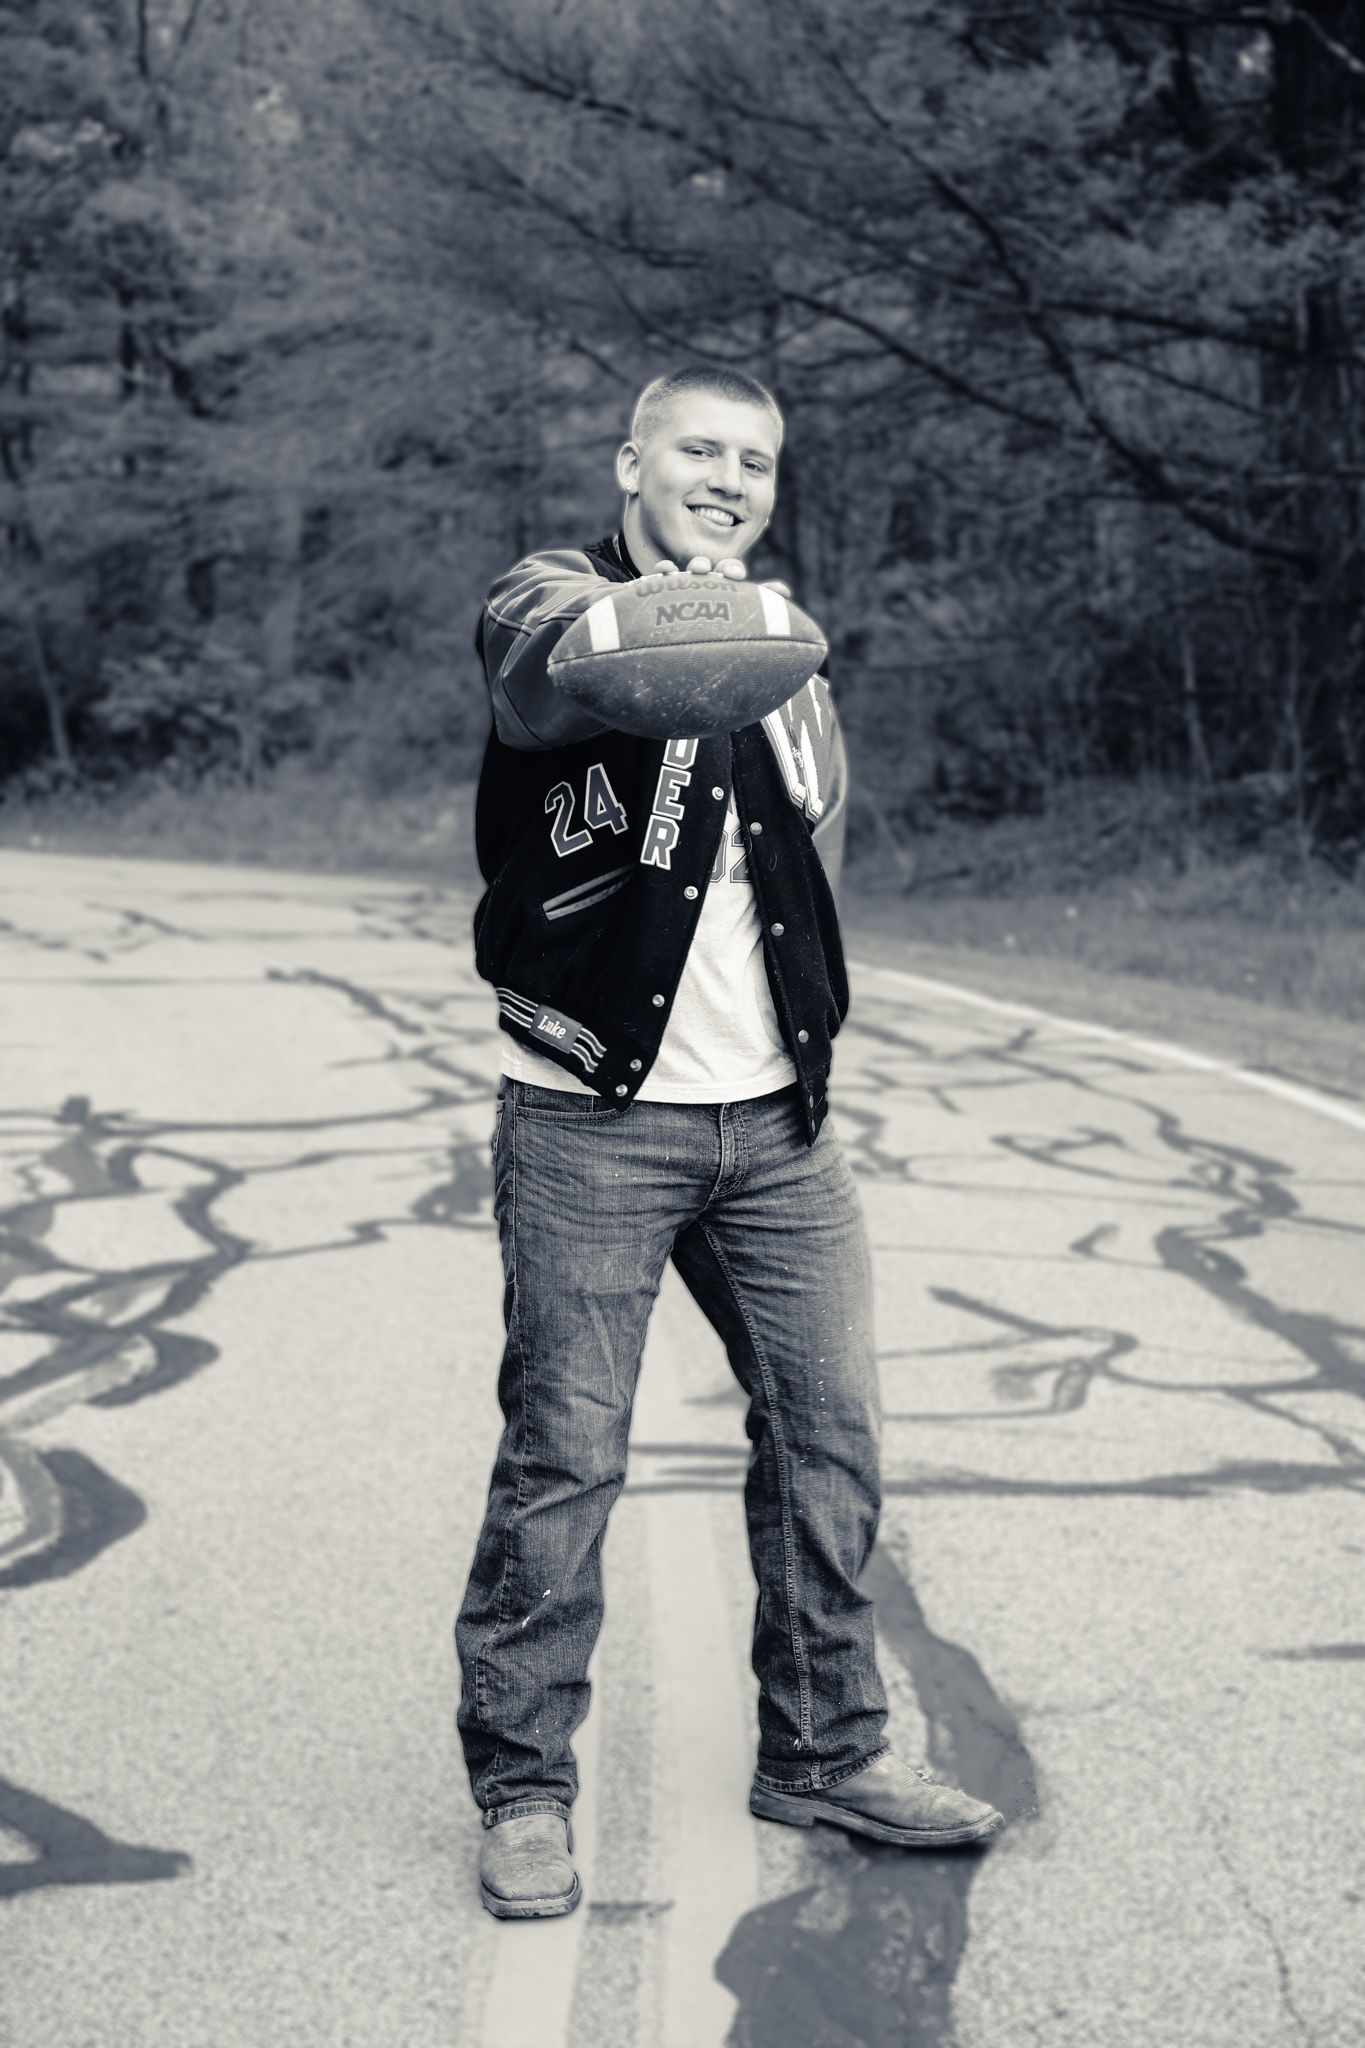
x: 708, y: 1849
x: 706, y: 1740
x: 530, y: 1992
x: 1157, y: 1048
x: 707, y: 1765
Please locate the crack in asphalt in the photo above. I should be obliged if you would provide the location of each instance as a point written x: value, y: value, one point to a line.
x: 1284, y: 1982
x: 69, y: 1510
x: 1251, y: 1195
x: 83, y: 1512
x: 97, y: 1359
x: 70, y: 1850
x: 872, y: 1945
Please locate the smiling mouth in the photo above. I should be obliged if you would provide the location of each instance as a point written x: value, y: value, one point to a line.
x: 715, y: 515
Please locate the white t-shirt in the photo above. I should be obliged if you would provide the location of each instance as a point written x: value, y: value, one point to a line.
x: 722, y: 1042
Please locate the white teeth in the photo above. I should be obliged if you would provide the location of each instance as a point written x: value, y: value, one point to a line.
x: 714, y: 515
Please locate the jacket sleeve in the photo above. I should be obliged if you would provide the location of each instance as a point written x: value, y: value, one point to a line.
x: 527, y: 611
x: 827, y: 833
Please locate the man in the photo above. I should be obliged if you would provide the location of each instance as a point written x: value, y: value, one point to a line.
x: 661, y: 931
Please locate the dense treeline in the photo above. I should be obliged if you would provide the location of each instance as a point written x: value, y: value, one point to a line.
x: 314, y: 317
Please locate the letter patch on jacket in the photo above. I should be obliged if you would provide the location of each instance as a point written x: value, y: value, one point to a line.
x: 601, y: 808
x: 789, y: 731
x: 661, y: 828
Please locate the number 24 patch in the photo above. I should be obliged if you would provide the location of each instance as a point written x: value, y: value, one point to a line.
x: 601, y: 809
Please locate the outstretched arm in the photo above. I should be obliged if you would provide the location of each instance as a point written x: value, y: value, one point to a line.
x: 528, y: 612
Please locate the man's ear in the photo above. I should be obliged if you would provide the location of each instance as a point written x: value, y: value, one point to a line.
x: 628, y: 468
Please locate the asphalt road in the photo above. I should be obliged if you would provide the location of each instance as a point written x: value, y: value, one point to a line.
x: 249, y: 1326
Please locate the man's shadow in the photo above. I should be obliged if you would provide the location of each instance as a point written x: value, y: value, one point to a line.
x: 866, y: 1956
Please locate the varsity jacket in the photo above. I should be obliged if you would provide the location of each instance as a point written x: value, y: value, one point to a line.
x: 596, y: 846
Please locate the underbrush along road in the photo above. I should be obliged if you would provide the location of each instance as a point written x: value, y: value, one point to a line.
x: 250, y: 1317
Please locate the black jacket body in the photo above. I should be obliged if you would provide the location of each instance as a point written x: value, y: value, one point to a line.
x: 596, y: 847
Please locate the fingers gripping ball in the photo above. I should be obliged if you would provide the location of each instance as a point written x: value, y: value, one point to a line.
x: 697, y: 656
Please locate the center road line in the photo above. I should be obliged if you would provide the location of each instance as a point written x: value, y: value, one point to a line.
x: 708, y: 1848
x: 1160, y: 1048
x: 531, y: 1988
x: 706, y: 1742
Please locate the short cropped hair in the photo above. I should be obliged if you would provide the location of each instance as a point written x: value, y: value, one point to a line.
x: 656, y: 401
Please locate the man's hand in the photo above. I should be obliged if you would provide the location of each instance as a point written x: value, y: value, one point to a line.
x: 668, y: 576
x: 726, y: 565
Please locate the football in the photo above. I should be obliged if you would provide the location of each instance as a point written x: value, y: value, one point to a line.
x: 699, y: 655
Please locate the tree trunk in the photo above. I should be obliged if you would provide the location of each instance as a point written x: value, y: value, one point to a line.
x: 901, y: 858
x: 1194, y: 724
x: 52, y: 699
x: 280, y: 618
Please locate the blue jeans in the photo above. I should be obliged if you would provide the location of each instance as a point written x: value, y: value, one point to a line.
x: 767, y: 1232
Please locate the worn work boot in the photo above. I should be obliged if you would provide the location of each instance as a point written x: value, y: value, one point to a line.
x: 526, y: 1868
x: 889, y: 1800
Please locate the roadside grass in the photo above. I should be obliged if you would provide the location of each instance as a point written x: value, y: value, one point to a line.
x: 1113, y: 908
x: 1302, y: 948
x: 1127, y: 881
x: 1318, y: 1047
x: 1121, y: 912
x: 295, y: 817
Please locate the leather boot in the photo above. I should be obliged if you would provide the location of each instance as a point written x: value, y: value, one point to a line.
x: 889, y: 1800
x: 526, y: 1868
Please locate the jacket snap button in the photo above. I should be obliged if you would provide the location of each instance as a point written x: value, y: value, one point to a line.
x: 657, y: 1001
x: 718, y: 791
x: 778, y: 930
x: 803, y: 1038
x: 635, y: 1067
x: 754, y: 830
x: 690, y: 892
x: 621, y: 1086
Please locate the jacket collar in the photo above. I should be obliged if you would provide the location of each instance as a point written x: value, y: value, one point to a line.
x: 613, y: 554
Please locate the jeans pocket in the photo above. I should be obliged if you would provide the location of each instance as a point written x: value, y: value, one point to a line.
x: 556, y: 1105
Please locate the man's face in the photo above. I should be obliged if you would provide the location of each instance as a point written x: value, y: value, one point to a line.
x: 702, y: 484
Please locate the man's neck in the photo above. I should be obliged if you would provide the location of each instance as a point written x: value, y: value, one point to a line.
x: 630, y: 539
x: 615, y: 549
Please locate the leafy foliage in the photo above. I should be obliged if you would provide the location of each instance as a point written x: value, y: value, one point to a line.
x: 312, y: 323
x: 1062, y: 308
